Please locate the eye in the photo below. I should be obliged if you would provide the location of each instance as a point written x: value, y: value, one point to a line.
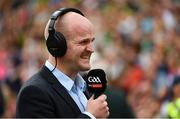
x: 84, y: 42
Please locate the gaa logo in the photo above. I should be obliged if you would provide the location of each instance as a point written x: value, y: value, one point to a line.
x: 94, y: 79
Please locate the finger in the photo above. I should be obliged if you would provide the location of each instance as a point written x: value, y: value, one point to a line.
x: 107, y: 108
x: 103, y: 97
x: 105, y: 103
x: 108, y: 113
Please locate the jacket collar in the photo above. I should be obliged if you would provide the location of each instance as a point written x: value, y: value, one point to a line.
x: 52, y: 80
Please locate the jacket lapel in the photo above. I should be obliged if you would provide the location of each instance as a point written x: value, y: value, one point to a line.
x: 59, y: 88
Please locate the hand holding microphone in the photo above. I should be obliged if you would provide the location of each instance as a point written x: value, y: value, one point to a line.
x: 96, y: 84
x: 98, y: 107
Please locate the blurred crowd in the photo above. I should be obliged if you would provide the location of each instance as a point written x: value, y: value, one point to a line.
x: 137, y: 44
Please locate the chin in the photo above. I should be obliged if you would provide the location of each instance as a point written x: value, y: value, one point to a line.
x: 85, y: 68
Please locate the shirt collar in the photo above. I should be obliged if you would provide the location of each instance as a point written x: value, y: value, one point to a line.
x: 79, y: 81
x: 66, y: 81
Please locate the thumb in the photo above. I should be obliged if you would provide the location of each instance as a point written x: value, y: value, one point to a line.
x: 92, y: 97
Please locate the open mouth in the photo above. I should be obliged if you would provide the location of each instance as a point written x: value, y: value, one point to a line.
x: 85, y: 57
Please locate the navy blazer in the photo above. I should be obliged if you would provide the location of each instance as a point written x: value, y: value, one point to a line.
x: 43, y: 96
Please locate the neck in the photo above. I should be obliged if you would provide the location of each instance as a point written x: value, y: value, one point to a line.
x: 63, y: 68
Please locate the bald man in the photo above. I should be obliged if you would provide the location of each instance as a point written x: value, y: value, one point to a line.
x: 58, y: 90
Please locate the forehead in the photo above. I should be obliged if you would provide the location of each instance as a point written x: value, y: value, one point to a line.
x: 78, y: 24
x: 83, y: 29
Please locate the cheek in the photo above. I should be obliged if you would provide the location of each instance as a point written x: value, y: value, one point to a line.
x: 74, y: 50
x: 72, y: 53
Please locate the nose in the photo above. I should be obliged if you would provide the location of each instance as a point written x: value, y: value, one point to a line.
x: 90, y: 47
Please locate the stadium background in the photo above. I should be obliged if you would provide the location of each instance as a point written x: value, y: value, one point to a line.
x: 137, y: 44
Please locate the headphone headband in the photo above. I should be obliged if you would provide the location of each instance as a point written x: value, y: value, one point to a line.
x: 58, y: 13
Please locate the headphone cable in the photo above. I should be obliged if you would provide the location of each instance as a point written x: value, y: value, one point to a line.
x: 55, y: 64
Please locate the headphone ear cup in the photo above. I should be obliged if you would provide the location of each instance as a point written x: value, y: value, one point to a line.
x: 56, y: 44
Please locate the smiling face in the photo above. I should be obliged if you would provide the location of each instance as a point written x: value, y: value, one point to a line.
x: 79, y: 52
x: 79, y: 37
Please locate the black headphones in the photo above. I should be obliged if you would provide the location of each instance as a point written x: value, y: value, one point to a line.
x: 56, y: 42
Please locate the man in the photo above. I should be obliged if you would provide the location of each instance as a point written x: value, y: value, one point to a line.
x: 58, y: 90
x: 118, y: 104
x: 173, y: 107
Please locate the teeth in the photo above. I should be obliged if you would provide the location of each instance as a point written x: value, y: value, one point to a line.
x: 85, y: 57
